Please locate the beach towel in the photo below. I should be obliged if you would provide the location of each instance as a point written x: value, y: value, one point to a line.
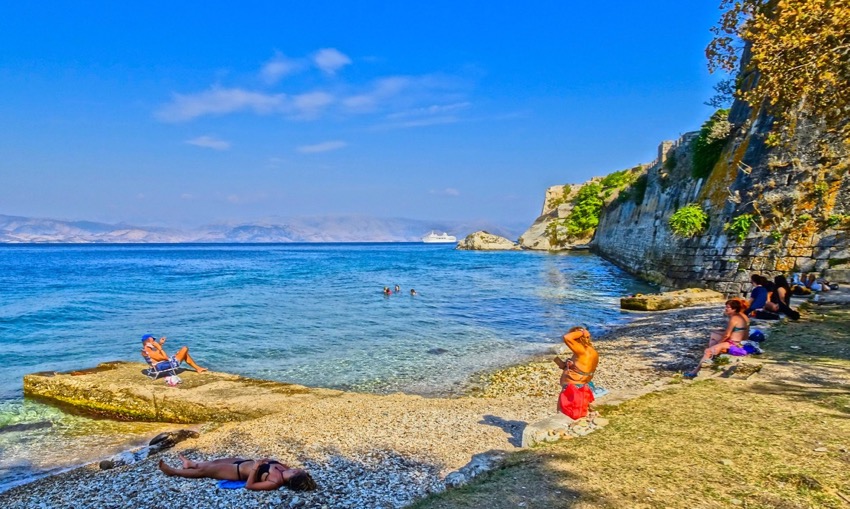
x: 230, y: 485
x: 598, y: 390
x: 574, y: 400
x: 737, y: 351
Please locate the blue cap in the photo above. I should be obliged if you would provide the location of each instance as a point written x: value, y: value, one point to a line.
x: 148, y: 336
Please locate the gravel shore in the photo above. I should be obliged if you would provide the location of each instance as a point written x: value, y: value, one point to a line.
x: 385, y: 451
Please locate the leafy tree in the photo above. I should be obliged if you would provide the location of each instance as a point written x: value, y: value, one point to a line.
x: 801, y: 50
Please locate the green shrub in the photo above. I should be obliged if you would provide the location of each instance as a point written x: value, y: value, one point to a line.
x: 617, y: 179
x: 688, y: 221
x: 776, y: 235
x: 709, y: 144
x: 637, y: 190
x: 740, y: 226
x: 587, y: 206
x: 836, y: 219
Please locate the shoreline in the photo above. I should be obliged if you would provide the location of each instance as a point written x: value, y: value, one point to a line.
x: 389, y: 450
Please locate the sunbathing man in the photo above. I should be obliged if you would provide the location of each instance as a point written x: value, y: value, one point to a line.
x: 154, y: 351
x: 259, y: 475
x: 577, y: 395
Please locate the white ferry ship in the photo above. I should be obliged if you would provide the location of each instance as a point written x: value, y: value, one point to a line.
x: 435, y: 238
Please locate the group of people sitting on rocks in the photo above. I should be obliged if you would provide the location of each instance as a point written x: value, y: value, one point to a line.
x: 769, y: 298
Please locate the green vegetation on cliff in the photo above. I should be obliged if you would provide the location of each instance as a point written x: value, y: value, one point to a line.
x: 587, y: 207
x: 688, y: 221
x: 709, y: 144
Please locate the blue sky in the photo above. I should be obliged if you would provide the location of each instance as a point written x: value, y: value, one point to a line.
x: 181, y: 114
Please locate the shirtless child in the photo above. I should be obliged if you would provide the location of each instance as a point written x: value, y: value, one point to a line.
x: 577, y: 373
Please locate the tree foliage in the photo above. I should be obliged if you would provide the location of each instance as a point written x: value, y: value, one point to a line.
x: 801, y: 50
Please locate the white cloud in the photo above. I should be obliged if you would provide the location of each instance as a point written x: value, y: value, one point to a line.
x: 330, y: 60
x: 278, y: 67
x: 209, y: 142
x: 219, y: 101
x: 326, y: 146
x: 436, y: 109
x: 309, y: 105
x: 449, y: 191
x: 187, y: 196
x: 382, y: 90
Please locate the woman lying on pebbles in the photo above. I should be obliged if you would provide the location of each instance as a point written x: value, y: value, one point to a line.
x: 260, y: 475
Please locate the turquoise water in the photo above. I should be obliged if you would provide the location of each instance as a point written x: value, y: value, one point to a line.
x: 312, y: 314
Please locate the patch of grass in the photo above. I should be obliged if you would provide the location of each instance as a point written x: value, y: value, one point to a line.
x: 711, y: 443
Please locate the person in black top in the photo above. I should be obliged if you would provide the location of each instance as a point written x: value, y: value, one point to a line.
x: 260, y: 475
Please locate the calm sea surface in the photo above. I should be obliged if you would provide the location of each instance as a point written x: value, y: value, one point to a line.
x: 312, y: 314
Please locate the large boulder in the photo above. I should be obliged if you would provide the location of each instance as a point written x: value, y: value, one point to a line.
x: 483, y: 241
x: 672, y: 300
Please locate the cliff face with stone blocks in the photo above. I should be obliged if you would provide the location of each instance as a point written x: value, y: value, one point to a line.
x: 791, y: 200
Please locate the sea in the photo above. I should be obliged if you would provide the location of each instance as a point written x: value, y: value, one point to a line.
x: 311, y: 314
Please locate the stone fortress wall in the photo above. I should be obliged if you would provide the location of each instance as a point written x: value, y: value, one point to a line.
x: 798, y: 194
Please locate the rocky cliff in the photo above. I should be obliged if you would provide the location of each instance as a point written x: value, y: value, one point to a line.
x: 775, y: 204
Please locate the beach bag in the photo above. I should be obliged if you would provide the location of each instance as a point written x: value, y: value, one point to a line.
x: 752, y: 348
x: 173, y: 380
x: 757, y: 336
x: 737, y: 351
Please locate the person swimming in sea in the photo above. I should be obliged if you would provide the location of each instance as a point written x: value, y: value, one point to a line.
x: 412, y: 292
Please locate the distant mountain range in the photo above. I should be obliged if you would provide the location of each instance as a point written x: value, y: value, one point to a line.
x: 14, y: 229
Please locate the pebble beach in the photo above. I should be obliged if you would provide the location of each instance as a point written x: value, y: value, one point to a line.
x: 386, y: 451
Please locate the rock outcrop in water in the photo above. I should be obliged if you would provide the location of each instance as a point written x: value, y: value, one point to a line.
x: 483, y: 241
x: 672, y: 300
x: 120, y: 390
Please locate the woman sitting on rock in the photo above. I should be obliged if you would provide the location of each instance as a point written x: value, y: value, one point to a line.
x: 737, y: 330
x: 260, y: 475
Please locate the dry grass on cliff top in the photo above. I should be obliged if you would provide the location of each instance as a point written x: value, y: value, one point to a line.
x: 779, y: 440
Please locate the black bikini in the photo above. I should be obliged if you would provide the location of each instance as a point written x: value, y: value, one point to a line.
x: 264, y: 469
x: 238, y: 473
